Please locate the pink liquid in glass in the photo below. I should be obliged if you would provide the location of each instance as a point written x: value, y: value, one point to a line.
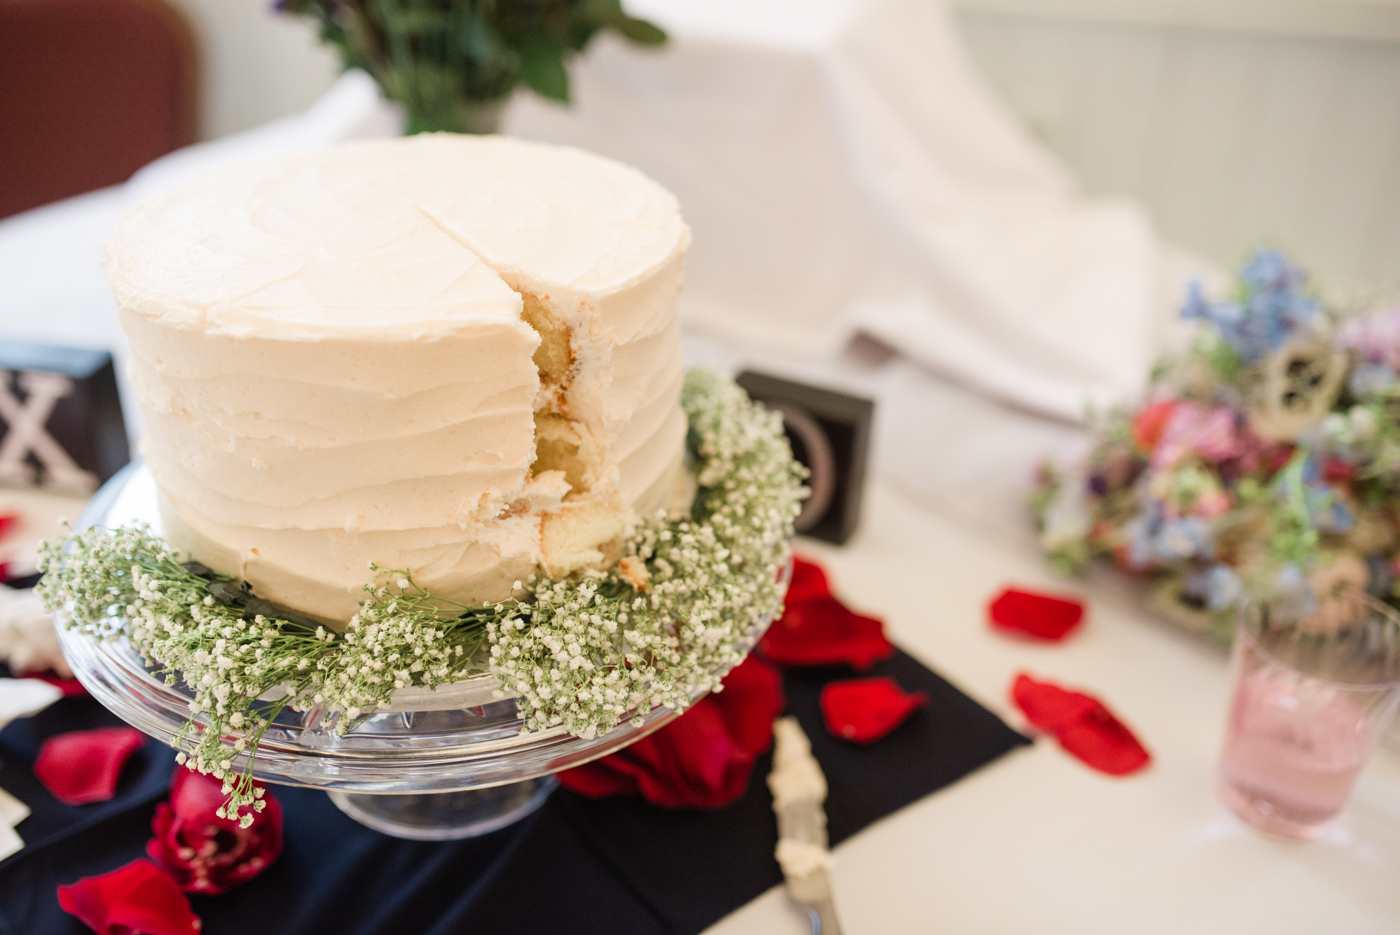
x: 1293, y: 749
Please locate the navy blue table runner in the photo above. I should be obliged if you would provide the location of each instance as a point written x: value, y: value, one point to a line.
x: 576, y: 866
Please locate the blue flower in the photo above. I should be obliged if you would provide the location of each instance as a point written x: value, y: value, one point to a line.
x: 1326, y: 511
x: 1271, y: 308
x: 1223, y: 587
x: 1293, y: 597
x: 1153, y: 539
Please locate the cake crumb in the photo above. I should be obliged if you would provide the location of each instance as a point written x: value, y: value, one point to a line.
x: 635, y: 573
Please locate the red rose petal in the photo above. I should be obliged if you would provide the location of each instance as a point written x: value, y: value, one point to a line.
x: 1035, y: 614
x: 750, y: 697
x: 823, y: 631
x: 702, y: 759
x: 1082, y: 724
x: 197, y: 797
x: 1106, y: 744
x: 134, y: 898
x: 83, y: 766
x: 690, y: 761
x: 864, y: 710
x: 598, y: 780
x: 69, y: 687
x: 1049, y: 707
x: 808, y: 581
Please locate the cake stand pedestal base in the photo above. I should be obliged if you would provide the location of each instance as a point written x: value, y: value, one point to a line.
x: 445, y: 816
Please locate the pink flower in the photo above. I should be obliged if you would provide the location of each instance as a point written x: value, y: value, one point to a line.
x: 1375, y: 339
x: 1212, y: 433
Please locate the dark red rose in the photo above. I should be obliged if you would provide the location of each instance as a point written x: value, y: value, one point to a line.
x: 703, y: 758
x: 203, y: 852
x: 864, y: 710
x: 130, y: 899
x: 1338, y: 472
x: 1050, y: 617
x: 1082, y: 724
x: 83, y: 766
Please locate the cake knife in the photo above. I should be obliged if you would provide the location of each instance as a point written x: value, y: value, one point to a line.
x: 799, y: 789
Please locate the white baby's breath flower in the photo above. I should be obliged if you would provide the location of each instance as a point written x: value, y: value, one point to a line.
x: 586, y: 653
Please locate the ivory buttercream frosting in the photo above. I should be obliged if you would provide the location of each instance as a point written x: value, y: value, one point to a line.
x: 456, y: 355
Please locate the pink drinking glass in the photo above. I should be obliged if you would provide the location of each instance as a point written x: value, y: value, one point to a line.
x: 1312, y: 693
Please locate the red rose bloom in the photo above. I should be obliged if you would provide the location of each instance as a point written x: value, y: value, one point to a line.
x: 203, y: 852
x: 1149, y: 424
x: 703, y: 758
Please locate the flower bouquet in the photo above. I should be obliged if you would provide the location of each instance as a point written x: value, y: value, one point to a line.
x: 1264, y: 461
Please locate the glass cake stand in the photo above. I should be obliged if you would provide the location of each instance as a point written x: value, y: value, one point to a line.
x: 435, y: 765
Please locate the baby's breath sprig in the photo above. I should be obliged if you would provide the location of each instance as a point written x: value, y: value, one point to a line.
x: 244, y: 659
x: 682, y: 608
x: 587, y: 653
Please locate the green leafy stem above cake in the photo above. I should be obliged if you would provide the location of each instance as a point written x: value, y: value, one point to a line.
x: 663, y: 625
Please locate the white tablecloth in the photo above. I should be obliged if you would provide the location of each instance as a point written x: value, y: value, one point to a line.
x: 1039, y: 843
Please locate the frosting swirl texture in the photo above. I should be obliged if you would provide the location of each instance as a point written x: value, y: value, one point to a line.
x: 459, y: 355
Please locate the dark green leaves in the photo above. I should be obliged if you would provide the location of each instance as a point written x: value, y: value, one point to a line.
x: 609, y: 13
x: 542, y: 67
x: 640, y: 31
x: 441, y: 57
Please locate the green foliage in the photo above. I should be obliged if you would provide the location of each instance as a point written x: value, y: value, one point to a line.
x: 1219, y: 357
x: 450, y: 62
x: 1292, y: 536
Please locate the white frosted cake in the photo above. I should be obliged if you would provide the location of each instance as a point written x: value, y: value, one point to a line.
x: 456, y: 355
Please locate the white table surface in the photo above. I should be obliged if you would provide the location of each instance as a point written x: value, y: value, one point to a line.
x: 1037, y: 842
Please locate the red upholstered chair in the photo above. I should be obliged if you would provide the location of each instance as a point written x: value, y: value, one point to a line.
x: 90, y: 91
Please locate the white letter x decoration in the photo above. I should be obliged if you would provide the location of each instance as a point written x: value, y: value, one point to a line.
x: 27, y: 433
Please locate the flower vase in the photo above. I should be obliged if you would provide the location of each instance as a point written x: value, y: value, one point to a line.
x: 471, y: 115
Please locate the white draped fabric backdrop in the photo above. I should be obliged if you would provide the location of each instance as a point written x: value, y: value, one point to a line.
x: 843, y: 167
